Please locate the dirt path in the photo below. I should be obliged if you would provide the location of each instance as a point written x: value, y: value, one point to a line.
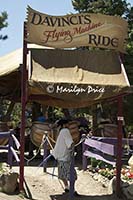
x: 43, y: 186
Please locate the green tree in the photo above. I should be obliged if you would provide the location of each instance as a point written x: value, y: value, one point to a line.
x: 128, y: 60
x: 125, y: 10
x: 109, y: 7
x: 129, y: 17
x: 3, y: 24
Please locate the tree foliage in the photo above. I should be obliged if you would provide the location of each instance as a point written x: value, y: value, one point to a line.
x: 3, y: 104
x: 109, y: 7
x: 116, y: 8
x: 3, y: 24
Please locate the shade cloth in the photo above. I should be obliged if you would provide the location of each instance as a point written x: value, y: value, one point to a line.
x: 10, y: 73
x: 76, y: 78
x: 10, y: 76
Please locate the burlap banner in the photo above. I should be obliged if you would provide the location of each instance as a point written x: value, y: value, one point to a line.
x: 77, y: 30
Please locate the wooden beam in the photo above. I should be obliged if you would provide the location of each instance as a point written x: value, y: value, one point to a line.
x: 23, y: 104
x: 119, y: 147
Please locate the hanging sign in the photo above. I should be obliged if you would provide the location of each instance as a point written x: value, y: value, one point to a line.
x: 76, y: 30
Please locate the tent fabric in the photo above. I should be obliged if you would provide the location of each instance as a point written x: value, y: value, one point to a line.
x: 76, y: 78
x: 10, y: 86
x: 10, y: 62
x: 10, y: 76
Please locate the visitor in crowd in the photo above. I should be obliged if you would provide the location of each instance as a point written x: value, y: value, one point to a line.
x: 41, y: 118
x: 63, y: 152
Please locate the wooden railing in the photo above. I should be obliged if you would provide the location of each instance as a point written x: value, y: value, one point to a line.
x: 102, y: 148
x: 11, y: 145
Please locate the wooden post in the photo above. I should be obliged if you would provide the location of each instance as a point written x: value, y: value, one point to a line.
x: 72, y: 178
x: 45, y: 154
x: 84, y: 158
x: 23, y: 107
x: 119, y: 148
x: 94, y: 119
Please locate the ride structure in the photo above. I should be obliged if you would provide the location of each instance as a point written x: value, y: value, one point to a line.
x: 73, y: 78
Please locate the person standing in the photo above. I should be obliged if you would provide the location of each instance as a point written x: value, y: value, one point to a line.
x: 63, y: 152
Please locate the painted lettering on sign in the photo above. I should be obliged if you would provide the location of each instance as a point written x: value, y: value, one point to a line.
x: 38, y: 19
x: 67, y: 35
x: 84, y: 29
x: 102, y: 40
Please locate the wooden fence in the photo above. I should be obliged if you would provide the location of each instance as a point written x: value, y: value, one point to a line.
x: 102, y: 148
x: 11, y: 145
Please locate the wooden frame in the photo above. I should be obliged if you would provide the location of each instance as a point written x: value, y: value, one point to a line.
x: 23, y: 102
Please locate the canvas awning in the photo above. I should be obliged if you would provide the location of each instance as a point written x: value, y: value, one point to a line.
x: 76, y: 78
x: 10, y: 73
x: 10, y: 77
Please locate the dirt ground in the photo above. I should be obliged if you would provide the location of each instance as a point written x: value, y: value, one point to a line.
x: 43, y: 186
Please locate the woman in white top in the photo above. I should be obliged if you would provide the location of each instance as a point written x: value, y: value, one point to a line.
x: 62, y: 152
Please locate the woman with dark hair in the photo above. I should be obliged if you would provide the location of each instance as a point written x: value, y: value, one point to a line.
x: 62, y: 152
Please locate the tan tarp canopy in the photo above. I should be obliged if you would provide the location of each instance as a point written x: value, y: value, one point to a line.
x: 10, y: 77
x: 65, y: 78
x: 76, y: 78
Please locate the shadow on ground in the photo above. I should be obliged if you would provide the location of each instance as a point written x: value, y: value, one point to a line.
x: 85, y: 197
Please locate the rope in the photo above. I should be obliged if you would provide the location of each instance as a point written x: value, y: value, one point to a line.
x: 44, y: 160
x: 29, y: 160
x: 128, y: 146
x: 44, y: 139
x: 42, y: 143
x: 47, y: 138
x: 49, y: 156
x: 81, y: 140
x: 51, y: 139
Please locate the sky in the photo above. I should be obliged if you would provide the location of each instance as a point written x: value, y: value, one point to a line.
x: 16, y: 10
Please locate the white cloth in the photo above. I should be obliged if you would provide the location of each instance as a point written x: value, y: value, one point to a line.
x: 62, y: 150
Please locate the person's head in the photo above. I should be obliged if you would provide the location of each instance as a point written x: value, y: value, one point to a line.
x: 63, y: 123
